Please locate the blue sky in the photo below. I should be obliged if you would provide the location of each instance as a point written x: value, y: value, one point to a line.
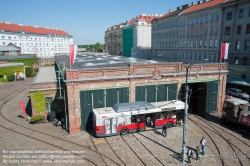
x: 85, y: 20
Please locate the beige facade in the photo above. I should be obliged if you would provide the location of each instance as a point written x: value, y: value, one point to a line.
x: 113, y: 39
x: 236, y: 30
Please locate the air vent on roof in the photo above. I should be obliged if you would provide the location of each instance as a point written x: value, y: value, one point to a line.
x: 98, y: 59
x: 90, y: 56
x: 20, y: 24
x: 115, y: 58
x: 151, y: 61
x: 36, y: 26
x: 131, y: 58
x: 7, y: 22
x: 88, y: 64
x: 111, y: 62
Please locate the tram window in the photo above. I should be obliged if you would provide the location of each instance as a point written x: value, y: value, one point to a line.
x: 137, y: 118
x: 158, y: 115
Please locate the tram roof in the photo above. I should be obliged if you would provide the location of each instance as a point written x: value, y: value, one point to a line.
x: 132, y: 106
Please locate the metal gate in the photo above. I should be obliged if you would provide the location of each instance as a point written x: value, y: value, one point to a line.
x: 99, y: 98
x: 156, y: 93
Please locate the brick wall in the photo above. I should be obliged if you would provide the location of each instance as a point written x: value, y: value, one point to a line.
x: 135, y: 75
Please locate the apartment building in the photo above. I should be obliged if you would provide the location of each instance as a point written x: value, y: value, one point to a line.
x: 131, y: 39
x: 189, y: 34
x: 113, y: 39
x: 235, y: 29
x: 43, y: 42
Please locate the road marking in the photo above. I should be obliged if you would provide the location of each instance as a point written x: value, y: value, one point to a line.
x: 195, y: 133
x: 98, y: 141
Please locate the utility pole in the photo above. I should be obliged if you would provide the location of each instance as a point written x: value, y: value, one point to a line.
x: 185, y: 117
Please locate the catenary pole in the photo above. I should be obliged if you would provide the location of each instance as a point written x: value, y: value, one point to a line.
x: 185, y: 117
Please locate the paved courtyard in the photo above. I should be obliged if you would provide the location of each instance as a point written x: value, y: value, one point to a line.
x: 43, y: 144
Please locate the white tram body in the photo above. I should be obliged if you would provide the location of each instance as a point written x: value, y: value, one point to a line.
x: 131, y: 117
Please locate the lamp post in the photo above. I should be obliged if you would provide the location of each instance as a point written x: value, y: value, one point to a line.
x: 185, y: 117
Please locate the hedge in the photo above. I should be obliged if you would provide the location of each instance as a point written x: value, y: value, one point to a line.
x: 29, y: 71
x: 26, y: 62
x: 37, y: 118
x: 8, y: 71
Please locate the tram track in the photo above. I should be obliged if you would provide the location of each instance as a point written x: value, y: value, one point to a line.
x: 114, y: 151
x: 224, y: 138
x: 203, y: 127
x: 147, y: 149
x: 133, y: 150
x: 5, y: 101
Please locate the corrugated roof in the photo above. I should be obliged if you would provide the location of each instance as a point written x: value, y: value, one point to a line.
x: 7, y: 27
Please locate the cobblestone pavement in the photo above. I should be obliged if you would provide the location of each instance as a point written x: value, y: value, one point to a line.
x: 43, y: 144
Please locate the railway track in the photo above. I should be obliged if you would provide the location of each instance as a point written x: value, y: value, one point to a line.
x: 148, y: 149
x: 208, y: 128
x: 7, y: 98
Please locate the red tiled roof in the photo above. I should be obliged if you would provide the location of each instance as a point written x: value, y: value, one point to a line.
x: 204, y: 5
x: 171, y: 13
x: 142, y: 17
x: 31, y: 29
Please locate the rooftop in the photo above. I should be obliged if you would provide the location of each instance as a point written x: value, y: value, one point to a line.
x: 20, y: 28
x: 100, y: 61
x: 8, y: 48
x: 45, y: 74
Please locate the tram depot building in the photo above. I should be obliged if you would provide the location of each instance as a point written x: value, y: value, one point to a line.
x: 101, y: 80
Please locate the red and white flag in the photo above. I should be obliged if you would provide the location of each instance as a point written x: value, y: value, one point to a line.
x: 224, y: 50
x: 73, y: 50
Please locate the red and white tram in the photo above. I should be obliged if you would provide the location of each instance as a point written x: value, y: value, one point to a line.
x: 130, y: 117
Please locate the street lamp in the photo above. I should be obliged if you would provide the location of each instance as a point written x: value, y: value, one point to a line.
x: 185, y: 113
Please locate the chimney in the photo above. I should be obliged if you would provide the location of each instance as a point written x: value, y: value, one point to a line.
x: 192, y: 4
x: 171, y: 10
x: 178, y: 8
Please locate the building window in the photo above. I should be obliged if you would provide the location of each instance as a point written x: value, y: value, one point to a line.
x: 195, y: 56
x: 187, y: 44
x: 247, y: 45
x: 206, y: 18
x: 190, y: 56
x: 239, y: 29
x: 3, y: 43
x: 241, y: 14
x: 228, y: 30
x: 215, y: 43
x: 205, y: 43
x: 49, y: 104
x: 199, y: 56
x: 196, y: 44
x: 200, y: 43
x: 186, y: 55
x: 183, y: 55
x: 3, y: 37
x: 216, y: 31
x: 197, y: 20
x: 214, y: 59
x: 217, y: 16
x: 236, y: 61
x: 205, y: 32
x: 229, y: 15
x: 211, y: 43
x: 243, y: 76
x: 205, y: 56
x: 237, y: 45
x: 212, y: 17
x: 248, y: 28
x: 211, y: 30
x: 244, y: 61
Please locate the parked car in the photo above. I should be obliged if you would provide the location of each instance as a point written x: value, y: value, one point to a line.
x: 237, y: 93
